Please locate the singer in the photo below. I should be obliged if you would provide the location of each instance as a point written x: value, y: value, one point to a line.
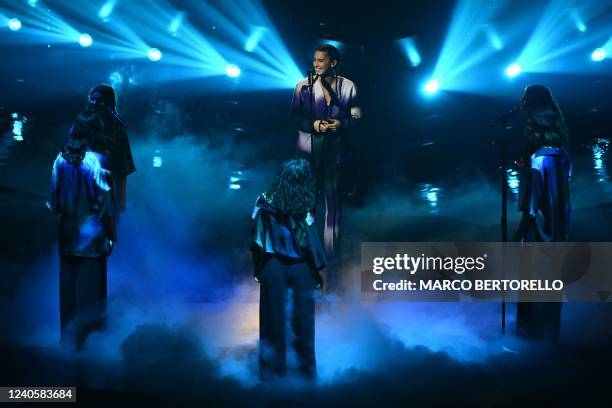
x: 325, y: 109
x: 544, y: 198
x: 116, y: 148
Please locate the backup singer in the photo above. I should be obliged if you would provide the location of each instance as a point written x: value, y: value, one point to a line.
x: 544, y: 198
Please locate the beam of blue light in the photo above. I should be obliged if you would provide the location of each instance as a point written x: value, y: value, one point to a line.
x: 254, y: 38
x: 32, y: 3
x: 513, y: 69
x: 114, y: 35
x: 553, y: 39
x: 85, y: 40
x: 106, y: 9
x: 234, y: 22
x: 463, y: 47
x: 193, y: 54
x: 599, y: 54
x: 408, y: 45
x: 14, y: 24
x: 44, y: 26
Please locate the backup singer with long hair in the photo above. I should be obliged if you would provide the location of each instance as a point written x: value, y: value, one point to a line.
x: 81, y: 195
x: 544, y: 199
x: 287, y: 255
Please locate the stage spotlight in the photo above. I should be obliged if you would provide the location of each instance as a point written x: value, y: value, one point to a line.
x: 432, y: 86
x: 232, y: 71
x: 14, y: 24
x: 253, y: 40
x: 107, y: 9
x: 32, y: 3
x: 175, y: 24
x: 154, y: 54
x: 85, y: 40
x: 513, y: 70
x: 599, y: 54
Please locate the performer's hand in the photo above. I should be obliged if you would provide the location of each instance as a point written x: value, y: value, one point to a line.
x: 320, y: 126
x: 333, y: 124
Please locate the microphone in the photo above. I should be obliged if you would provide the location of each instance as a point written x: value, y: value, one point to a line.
x: 504, y: 116
x: 312, y: 77
x: 115, y: 116
x: 111, y: 112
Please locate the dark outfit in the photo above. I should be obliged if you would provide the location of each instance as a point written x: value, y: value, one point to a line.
x: 80, y: 194
x: 286, y: 255
x: 120, y: 160
x: 326, y: 151
x: 116, y: 146
x: 545, y: 203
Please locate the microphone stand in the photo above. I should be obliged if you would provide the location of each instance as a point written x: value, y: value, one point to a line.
x: 502, y: 143
x: 503, y: 153
x: 311, y: 81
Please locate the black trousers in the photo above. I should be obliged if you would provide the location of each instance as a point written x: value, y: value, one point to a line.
x: 276, y: 279
x: 83, y: 294
x: 538, y: 321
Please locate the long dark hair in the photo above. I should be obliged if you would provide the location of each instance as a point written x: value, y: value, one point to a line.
x: 545, y: 116
x: 293, y: 190
x: 87, y: 130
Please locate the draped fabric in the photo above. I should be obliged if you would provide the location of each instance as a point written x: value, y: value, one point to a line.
x: 82, y: 197
x: 277, y: 234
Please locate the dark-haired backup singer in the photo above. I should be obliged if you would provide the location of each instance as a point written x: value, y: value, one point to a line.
x: 324, y: 116
x: 544, y: 198
x: 81, y: 195
x: 287, y: 254
x: 116, y: 146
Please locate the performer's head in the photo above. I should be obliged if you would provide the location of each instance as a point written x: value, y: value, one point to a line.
x: 537, y: 97
x: 86, y: 131
x: 293, y: 190
x: 544, y: 114
x: 326, y: 59
x: 102, y: 97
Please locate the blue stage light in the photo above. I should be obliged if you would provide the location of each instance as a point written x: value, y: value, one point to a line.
x: 32, y: 3
x: 253, y: 40
x: 408, y: 45
x: 232, y: 71
x: 107, y: 9
x: 513, y: 70
x: 85, y: 40
x: 599, y: 54
x: 175, y: 24
x: 432, y: 86
x: 14, y: 24
x: 495, y: 40
x: 154, y: 54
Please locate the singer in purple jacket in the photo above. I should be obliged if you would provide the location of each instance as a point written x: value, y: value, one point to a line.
x: 324, y: 110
